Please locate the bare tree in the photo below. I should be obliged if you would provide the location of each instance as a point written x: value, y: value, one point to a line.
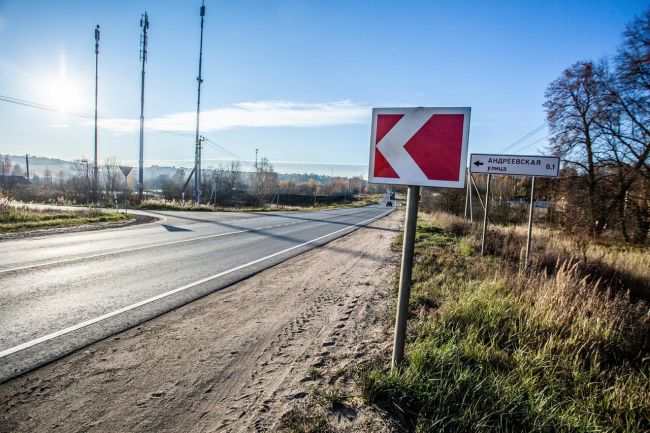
x: 225, y: 180
x: 17, y: 170
x: 573, y: 105
x: 111, y: 176
x: 599, y: 116
x: 627, y: 126
x: 47, y: 176
x: 80, y: 182
x: 6, y: 165
x: 265, y: 178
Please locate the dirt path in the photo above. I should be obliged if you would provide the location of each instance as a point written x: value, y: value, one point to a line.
x: 233, y: 361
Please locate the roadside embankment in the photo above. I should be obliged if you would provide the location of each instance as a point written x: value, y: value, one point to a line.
x: 16, y: 217
x: 239, y: 359
x: 491, y: 346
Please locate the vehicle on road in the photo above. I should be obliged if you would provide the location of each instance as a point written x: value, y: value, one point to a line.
x: 389, y: 203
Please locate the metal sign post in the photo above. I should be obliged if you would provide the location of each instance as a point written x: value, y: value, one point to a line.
x: 471, y: 204
x: 406, y: 148
x: 408, y: 248
x: 530, y: 220
x: 485, y: 213
x: 466, y: 193
x: 125, y: 171
x: 478, y: 193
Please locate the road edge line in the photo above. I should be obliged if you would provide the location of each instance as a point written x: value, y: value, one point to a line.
x: 98, y: 319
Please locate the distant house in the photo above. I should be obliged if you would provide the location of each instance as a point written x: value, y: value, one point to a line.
x: 11, y: 180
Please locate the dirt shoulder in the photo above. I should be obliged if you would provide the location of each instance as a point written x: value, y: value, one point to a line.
x: 240, y: 359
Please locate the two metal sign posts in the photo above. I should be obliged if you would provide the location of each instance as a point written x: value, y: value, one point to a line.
x: 512, y: 165
x: 428, y: 147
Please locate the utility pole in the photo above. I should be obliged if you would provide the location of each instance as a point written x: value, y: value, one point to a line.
x: 27, y: 165
x: 197, y: 152
x: 144, y: 23
x: 256, y: 152
x: 95, y: 182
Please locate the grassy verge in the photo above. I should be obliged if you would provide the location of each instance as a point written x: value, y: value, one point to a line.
x: 161, y: 204
x: 15, y: 217
x: 492, y: 347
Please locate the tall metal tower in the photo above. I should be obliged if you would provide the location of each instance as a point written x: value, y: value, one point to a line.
x: 144, y: 23
x: 197, y: 152
x: 95, y: 172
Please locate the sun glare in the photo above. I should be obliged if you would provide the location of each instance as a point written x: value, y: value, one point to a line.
x: 62, y: 91
x: 64, y: 95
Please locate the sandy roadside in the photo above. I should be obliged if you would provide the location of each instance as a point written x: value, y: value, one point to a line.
x: 236, y: 360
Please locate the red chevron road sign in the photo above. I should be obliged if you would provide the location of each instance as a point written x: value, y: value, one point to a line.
x: 419, y: 146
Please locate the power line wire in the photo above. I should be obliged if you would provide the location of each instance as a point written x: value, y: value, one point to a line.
x: 525, y: 137
x: 30, y: 104
x: 229, y: 152
x: 43, y: 107
x: 534, y: 142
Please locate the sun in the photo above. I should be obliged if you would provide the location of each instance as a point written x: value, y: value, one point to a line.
x: 62, y: 91
x: 63, y: 94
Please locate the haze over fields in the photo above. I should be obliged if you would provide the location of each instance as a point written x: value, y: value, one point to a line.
x: 294, y: 79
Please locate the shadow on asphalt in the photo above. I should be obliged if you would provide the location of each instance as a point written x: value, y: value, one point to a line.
x: 174, y: 229
x: 274, y: 214
x: 294, y: 240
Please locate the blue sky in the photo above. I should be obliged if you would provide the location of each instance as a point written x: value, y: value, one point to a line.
x: 294, y: 78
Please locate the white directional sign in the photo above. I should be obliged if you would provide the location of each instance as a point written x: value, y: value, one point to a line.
x: 515, y: 165
x: 419, y: 146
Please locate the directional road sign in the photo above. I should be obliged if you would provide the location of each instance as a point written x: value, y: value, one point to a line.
x: 419, y: 146
x: 514, y: 165
x: 126, y: 170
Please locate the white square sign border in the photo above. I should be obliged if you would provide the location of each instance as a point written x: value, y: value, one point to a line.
x: 460, y: 183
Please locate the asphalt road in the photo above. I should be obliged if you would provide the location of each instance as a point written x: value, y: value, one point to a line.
x: 62, y: 292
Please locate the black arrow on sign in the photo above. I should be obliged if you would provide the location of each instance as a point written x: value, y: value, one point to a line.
x: 478, y: 163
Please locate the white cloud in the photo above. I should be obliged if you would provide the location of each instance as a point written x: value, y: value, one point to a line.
x: 251, y: 115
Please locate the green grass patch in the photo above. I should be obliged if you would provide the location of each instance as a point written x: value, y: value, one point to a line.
x: 493, y: 349
x: 24, y: 219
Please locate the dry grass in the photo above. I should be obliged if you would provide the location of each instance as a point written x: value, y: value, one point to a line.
x: 17, y: 216
x: 619, y: 266
x: 494, y: 347
x: 162, y: 204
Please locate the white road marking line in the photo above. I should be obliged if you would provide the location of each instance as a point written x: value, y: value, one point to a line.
x: 144, y: 247
x: 94, y: 256
x: 56, y: 334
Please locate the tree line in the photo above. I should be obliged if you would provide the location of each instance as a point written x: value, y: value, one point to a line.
x: 598, y: 113
x: 224, y: 185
